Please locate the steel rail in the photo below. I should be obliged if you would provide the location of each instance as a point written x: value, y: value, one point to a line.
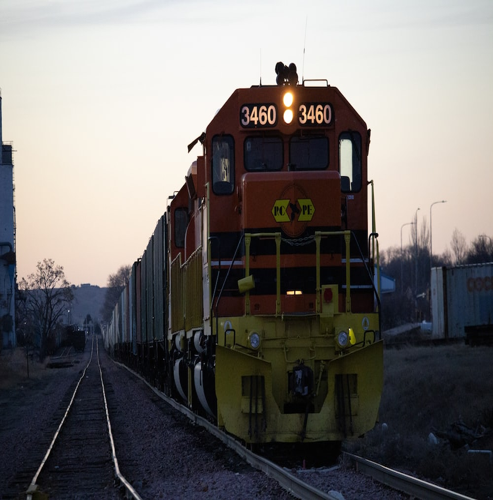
x: 129, y: 489
x: 412, y: 486
x: 32, y: 491
x: 33, y: 487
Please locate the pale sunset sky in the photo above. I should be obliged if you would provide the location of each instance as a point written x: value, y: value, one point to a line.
x: 101, y: 98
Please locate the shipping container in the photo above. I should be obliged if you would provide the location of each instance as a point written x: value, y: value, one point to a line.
x: 462, y: 300
x: 160, y: 328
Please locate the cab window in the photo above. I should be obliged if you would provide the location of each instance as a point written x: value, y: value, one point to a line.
x: 181, y: 223
x: 350, y: 161
x: 309, y: 153
x: 263, y: 153
x: 223, y: 164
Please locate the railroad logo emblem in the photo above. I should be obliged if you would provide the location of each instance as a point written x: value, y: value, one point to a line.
x: 280, y: 211
x: 292, y: 208
x: 307, y: 210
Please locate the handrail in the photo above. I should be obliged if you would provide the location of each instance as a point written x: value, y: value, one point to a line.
x: 375, y: 247
x: 224, y: 284
x: 371, y: 276
x: 317, y: 237
x: 277, y: 237
x: 347, y: 240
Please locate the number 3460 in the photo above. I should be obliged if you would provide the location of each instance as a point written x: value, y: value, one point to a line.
x: 315, y: 114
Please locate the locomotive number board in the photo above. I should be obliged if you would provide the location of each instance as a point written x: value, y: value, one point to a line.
x: 258, y: 115
x: 265, y: 115
x: 315, y: 114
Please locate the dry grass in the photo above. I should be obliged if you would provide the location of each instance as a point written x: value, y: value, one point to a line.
x: 428, y: 389
x: 13, y: 368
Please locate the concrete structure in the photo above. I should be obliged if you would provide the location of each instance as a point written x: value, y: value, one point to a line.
x: 7, y: 244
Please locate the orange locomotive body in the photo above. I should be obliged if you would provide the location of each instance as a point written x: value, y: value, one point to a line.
x: 270, y: 298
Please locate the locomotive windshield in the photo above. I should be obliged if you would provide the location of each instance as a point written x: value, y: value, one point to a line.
x: 305, y: 153
x: 309, y: 153
x: 263, y: 153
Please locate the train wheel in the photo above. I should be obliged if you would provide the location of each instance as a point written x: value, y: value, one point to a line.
x: 204, y: 384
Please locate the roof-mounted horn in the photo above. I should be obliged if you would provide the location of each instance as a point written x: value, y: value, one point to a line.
x: 286, y: 75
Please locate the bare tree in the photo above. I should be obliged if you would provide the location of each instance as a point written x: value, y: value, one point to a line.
x: 116, y: 283
x: 459, y: 247
x: 47, y: 296
x: 424, y: 235
x: 481, y: 250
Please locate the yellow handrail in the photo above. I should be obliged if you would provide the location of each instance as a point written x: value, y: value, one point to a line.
x: 318, y: 236
x: 347, y: 240
x: 248, y: 239
x: 375, y: 247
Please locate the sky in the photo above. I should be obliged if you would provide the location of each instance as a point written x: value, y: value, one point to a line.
x: 101, y: 98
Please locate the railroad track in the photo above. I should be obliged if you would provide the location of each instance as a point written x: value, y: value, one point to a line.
x: 81, y: 462
x: 414, y: 487
x: 65, y: 474
x: 400, y: 482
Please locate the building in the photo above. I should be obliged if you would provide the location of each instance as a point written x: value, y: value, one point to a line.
x: 7, y: 244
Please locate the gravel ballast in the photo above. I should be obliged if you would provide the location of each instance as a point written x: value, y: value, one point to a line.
x: 160, y: 451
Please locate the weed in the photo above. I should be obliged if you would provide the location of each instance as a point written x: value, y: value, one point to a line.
x: 17, y: 368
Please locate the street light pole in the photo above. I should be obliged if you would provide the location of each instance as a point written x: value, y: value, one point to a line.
x: 431, y: 231
x: 406, y: 224
x: 416, y: 251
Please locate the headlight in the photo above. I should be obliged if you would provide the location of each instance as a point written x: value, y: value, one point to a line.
x: 342, y: 339
x: 254, y: 340
x: 288, y: 116
x: 287, y: 99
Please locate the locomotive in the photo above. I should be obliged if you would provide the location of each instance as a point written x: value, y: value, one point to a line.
x: 255, y: 303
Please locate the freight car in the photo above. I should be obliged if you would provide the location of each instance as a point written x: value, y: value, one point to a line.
x: 254, y: 303
x: 462, y: 303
